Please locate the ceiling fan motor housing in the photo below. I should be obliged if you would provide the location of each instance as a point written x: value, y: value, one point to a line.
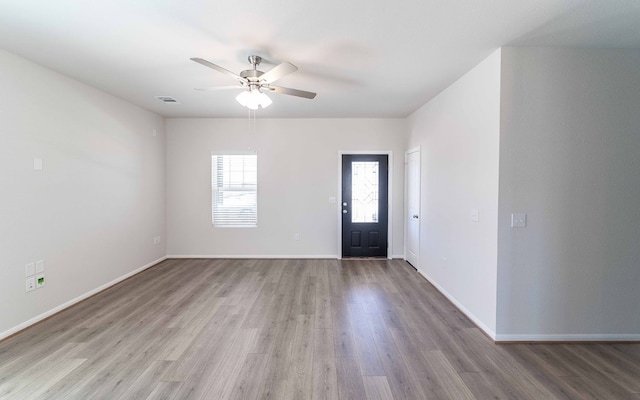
x: 251, y: 74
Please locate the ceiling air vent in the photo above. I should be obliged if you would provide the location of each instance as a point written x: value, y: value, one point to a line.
x: 167, y: 99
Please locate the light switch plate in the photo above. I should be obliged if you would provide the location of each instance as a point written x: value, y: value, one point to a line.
x: 39, y: 266
x: 518, y: 220
x: 29, y: 269
x: 332, y: 199
x: 475, y: 215
x: 37, y: 164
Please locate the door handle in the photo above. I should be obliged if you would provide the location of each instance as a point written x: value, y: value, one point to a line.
x: 415, y: 216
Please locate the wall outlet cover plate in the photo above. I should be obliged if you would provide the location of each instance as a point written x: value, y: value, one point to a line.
x: 518, y: 220
x: 31, y: 284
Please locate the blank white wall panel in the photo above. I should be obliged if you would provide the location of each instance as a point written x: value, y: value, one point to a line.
x: 570, y: 160
x: 297, y: 175
x: 458, y: 132
x: 93, y: 209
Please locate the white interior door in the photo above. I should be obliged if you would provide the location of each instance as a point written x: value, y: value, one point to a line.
x: 412, y: 221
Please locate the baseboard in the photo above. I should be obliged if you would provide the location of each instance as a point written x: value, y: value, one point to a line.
x: 590, y: 338
x: 249, y: 256
x: 268, y: 256
x: 78, y: 299
x: 529, y: 338
x: 489, y: 332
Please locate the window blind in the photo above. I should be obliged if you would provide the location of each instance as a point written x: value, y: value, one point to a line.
x: 234, y: 190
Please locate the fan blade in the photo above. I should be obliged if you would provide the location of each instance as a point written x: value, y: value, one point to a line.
x: 292, y: 92
x: 210, y: 88
x: 278, y: 72
x: 219, y: 69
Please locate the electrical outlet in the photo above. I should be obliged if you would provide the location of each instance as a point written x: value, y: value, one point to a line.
x: 518, y: 220
x: 39, y: 281
x: 29, y: 269
x: 31, y: 284
x: 156, y: 240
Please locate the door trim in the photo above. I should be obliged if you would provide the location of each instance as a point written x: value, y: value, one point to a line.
x: 389, y: 154
x: 406, y: 209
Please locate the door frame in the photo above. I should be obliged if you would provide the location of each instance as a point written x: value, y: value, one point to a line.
x: 389, y: 154
x: 417, y: 149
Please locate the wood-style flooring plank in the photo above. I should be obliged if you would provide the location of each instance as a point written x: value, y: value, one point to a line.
x: 403, y: 381
x: 164, y: 391
x: 289, y: 330
x: 222, y: 373
x: 273, y: 389
x: 300, y: 374
x: 323, y: 312
x: 250, y: 377
x: 280, y: 351
x: 624, y: 374
x: 498, y: 364
x: 481, y: 387
x: 543, y: 371
x: 585, y: 376
x: 20, y: 378
x: 218, y: 333
x: 366, y: 350
x: 450, y: 384
x: 350, y: 384
x: 325, y: 380
x: 55, y: 372
x: 144, y: 385
x: 377, y: 388
x: 342, y: 330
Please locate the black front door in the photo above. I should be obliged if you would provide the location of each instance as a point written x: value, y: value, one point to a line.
x: 364, y: 205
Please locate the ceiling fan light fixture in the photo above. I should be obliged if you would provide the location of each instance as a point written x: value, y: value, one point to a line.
x: 253, y: 80
x: 253, y: 99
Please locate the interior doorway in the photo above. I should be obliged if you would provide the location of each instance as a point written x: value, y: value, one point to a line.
x: 412, y: 208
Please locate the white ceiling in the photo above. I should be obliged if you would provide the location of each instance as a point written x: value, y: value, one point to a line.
x: 375, y: 58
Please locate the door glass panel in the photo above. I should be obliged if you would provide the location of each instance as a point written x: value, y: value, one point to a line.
x: 364, y: 191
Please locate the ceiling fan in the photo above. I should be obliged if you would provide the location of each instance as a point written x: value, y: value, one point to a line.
x: 256, y: 82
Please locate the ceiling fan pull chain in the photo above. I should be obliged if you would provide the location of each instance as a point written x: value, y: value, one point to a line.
x: 253, y: 131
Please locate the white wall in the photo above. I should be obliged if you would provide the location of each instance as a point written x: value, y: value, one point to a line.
x: 93, y: 211
x: 458, y: 132
x: 297, y: 173
x: 570, y: 159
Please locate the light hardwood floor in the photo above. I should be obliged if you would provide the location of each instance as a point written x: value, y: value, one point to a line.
x: 293, y: 329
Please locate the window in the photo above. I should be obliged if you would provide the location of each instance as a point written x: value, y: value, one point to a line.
x: 234, y: 197
x: 364, y: 191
